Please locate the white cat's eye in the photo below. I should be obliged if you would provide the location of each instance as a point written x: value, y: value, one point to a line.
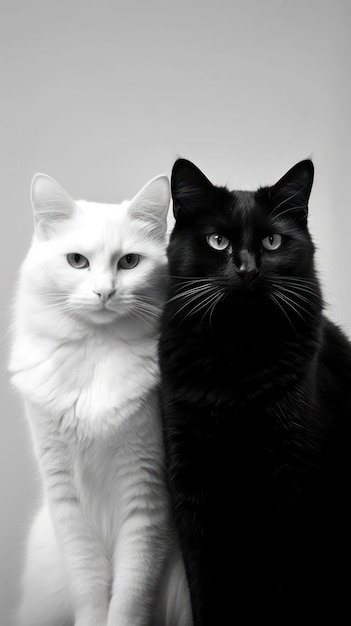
x: 272, y: 242
x: 78, y: 261
x: 128, y: 261
x: 217, y: 242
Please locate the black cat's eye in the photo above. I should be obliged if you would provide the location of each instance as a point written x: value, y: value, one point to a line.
x: 78, y: 261
x: 272, y: 242
x: 217, y: 242
x: 128, y: 261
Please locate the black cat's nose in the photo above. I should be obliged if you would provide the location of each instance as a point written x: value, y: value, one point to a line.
x: 246, y: 266
x: 247, y: 274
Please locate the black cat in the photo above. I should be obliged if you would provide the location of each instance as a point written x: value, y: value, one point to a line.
x: 256, y: 394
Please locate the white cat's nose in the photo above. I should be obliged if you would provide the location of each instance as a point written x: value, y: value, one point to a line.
x: 105, y: 294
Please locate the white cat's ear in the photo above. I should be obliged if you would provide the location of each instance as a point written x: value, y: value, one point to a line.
x: 51, y: 204
x: 150, y: 206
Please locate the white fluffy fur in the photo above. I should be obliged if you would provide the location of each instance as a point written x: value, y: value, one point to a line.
x: 101, y: 551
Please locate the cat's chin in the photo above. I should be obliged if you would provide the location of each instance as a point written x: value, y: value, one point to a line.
x: 246, y: 296
x: 101, y: 316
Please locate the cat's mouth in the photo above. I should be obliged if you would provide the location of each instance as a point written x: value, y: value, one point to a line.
x: 104, y: 309
x: 247, y: 294
x: 248, y: 286
x: 101, y: 314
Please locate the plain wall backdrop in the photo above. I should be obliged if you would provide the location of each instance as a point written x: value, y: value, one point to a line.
x: 105, y: 94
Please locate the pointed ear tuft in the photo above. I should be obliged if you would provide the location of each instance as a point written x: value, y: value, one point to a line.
x: 190, y: 187
x: 150, y: 206
x: 51, y: 204
x: 291, y: 193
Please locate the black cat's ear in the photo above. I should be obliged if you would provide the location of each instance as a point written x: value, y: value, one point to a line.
x: 191, y: 189
x: 291, y: 193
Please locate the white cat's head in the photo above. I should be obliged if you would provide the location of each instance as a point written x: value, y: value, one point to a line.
x: 93, y: 262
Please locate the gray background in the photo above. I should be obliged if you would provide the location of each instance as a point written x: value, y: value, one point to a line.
x: 103, y: 95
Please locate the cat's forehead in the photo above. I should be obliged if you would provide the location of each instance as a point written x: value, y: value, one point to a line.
x: 106, y: 226
x: 244, y: 202
x: 99, y: 212
x: 242, y: 208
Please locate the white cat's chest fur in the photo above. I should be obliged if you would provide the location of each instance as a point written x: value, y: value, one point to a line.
x: 93, y: 402
x: 114, y: 475
x: 92, y: 383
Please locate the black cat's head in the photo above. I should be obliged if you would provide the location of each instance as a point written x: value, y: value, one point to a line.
x: 245, y: 247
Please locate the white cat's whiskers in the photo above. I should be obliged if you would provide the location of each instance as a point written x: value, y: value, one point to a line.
x: 153, y: 311
x: 148, y: 313
x: 60, y: 305
x: 146, y: 303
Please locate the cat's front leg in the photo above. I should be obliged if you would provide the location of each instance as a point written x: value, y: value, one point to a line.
x: 88, y: 570
x: 139, y: 560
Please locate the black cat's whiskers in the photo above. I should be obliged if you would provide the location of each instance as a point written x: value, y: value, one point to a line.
x: 300, y: 292
x: 274, y: 297
x: 291, y: 294
x: 192, y: 291
x: 291, y: 303
x: 289, y: 210
x: 213, y: 306
x: 287, y: 200
x: 206, y: 303
x: 303, y: 287
x: 299, y: 279
x: 197, y: 296
x: 190, y: 299
x: 294, y: 292
x: 296, y: 301
x: 300, y: 287
x: 189, y: 286
x: 186, y: 281
x: 295, y: 296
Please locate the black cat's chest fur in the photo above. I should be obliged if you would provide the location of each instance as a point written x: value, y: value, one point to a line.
x: 241, y: 356
x: 256, y: 394
x: 249, y: 421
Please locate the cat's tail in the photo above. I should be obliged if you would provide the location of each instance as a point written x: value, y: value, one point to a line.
x: 45, y: 597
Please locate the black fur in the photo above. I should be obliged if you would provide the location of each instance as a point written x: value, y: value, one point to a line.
x: 256, y: 394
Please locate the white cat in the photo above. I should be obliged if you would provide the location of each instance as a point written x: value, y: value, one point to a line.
x: 102, y: 551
